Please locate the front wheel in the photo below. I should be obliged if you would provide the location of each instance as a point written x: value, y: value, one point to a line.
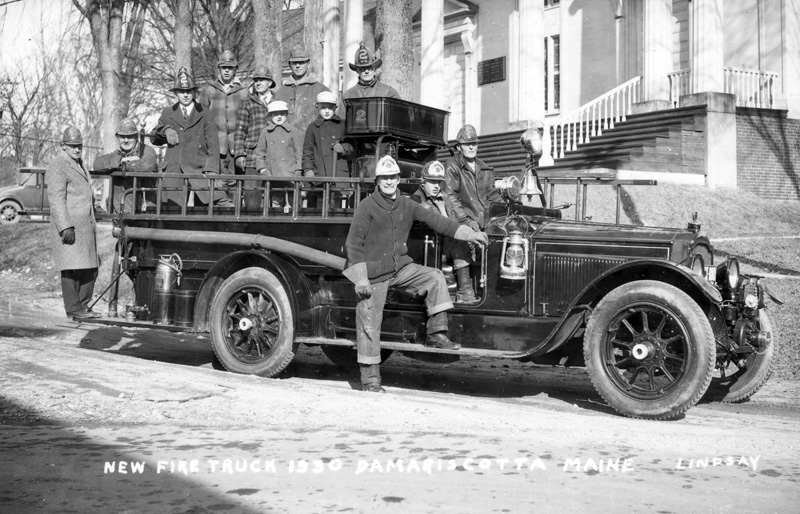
x: 252, y: 325
x: 649, y: 350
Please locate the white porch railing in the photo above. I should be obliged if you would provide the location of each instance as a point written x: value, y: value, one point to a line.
x: 565, y: 133
x: 680, y: 83
x: 751, y: 88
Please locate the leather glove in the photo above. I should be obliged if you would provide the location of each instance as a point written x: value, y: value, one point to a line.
x: 473, y: 225
x: 172, y: 136
x: 309, y: 173
x: 363, y: 289
x: 239, y: 162
x: 338, y: 148
x: 479, y: 238
x: 68, y: 236
x: 129, y: 158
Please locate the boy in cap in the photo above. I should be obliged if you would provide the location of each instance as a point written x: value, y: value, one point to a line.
x: 253, y: 118
x: 300, y: 91
x: 431, y: 196
x: 72, y: 225
x: 323, y: 139
x: 223, y: 97
x: 278, y: 151
x: 377, y: 259
x: 131, y: 156
x: 189, y: 132
x: 368, y: 84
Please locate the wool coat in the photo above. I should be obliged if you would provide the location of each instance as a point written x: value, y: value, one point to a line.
x: 253, y: 118
x: 470, y: 192
x: 320, y: 138
x: 69, y: 190
x: 377, y: 89
x: 300, y: 95
x: 224, y: 109
x: 279, y: 151
x: 379, y: 233
x: 110, y: 162
x: 196, y: 152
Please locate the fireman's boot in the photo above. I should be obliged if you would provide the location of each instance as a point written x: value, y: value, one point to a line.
x: 465, y: 293
x: 371, y: 378
x: 440, y: 340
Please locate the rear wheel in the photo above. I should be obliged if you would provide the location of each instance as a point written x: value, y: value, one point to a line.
x: 649, y: 350
x: 9, y: 212
x: 737, y: 378
x: 252, y: 325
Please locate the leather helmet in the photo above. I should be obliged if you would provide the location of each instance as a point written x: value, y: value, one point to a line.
x: 364, y: 58
x: 467, y: 134
x: 126, y: 127
x: 386, y: 167
x: 263, y: 72
x: 433, y: 170
x: 183, y: 80
x: 72, y: 136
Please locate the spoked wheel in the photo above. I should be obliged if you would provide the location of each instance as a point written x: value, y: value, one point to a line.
x: 649, y: 350
x: 738, y: 377
x: 9, y: 212
x: 252, y: 325
x: 346, y: 356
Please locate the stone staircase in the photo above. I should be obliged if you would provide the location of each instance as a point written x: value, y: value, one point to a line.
x: 669, y: 141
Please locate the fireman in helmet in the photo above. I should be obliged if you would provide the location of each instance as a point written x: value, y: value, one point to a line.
x: 377, y: 258
x: 431, y: 195
x: 470, y: 189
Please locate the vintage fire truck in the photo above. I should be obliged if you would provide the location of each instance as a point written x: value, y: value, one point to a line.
x: 656, y: 322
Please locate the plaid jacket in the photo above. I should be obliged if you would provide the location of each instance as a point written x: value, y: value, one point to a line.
x: 252, y: 119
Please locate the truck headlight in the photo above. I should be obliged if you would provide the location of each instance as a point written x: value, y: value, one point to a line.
x: 728, y: 274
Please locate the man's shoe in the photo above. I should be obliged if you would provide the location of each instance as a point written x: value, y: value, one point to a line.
x: 372, y: 388
x: 467, y: 296
x: 440, y: 340
x: 224, y: 203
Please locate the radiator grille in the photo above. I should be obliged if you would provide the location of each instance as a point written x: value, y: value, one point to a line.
x: 560, y: 278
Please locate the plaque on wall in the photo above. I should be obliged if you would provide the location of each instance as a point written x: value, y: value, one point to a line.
x: 492, y: 70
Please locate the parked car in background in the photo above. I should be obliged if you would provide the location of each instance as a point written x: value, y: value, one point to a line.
x: 27, y: 198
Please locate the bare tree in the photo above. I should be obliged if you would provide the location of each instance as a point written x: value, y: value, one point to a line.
x: 313, y: 35
x: 116, y: 28
x: 393, y: 39
x: 183, y: 34
x: 268, y: 33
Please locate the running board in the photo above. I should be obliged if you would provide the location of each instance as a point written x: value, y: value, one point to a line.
x: 414, y: 347
x: 124, y: 322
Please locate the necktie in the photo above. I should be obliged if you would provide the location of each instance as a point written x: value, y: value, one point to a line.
x: 185, y: 112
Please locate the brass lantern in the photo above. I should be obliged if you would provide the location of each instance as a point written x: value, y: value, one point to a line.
x: 514, y: 265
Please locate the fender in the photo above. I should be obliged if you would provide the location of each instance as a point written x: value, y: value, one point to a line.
x: 683, y: 278
x: 12, y: 198
x: 299, y: 288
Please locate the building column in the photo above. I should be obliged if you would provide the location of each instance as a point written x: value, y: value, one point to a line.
x: 790, y: 56
x: 353, y: 35
x: 656, y: 54
x: 526, y: 95
x: 707, y: 46
x: 432, y: 54
x: 332, y: 46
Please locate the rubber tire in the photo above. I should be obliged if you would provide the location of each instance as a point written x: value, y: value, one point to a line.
x: 751, y: 378
x: 689, y: 387
x: 346, y: 356
x: 280, y: 354
x: 12, y: 207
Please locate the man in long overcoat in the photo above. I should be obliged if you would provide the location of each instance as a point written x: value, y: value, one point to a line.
x: 223, y: 97
x: 131, y: 156
x: 189, y: 132
x: 72, y: 225
x: 300, y: 91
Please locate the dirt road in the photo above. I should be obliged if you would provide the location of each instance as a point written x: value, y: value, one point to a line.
x: 99, y: 419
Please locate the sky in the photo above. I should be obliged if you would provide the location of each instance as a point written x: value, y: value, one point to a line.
x: 22, y: 22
